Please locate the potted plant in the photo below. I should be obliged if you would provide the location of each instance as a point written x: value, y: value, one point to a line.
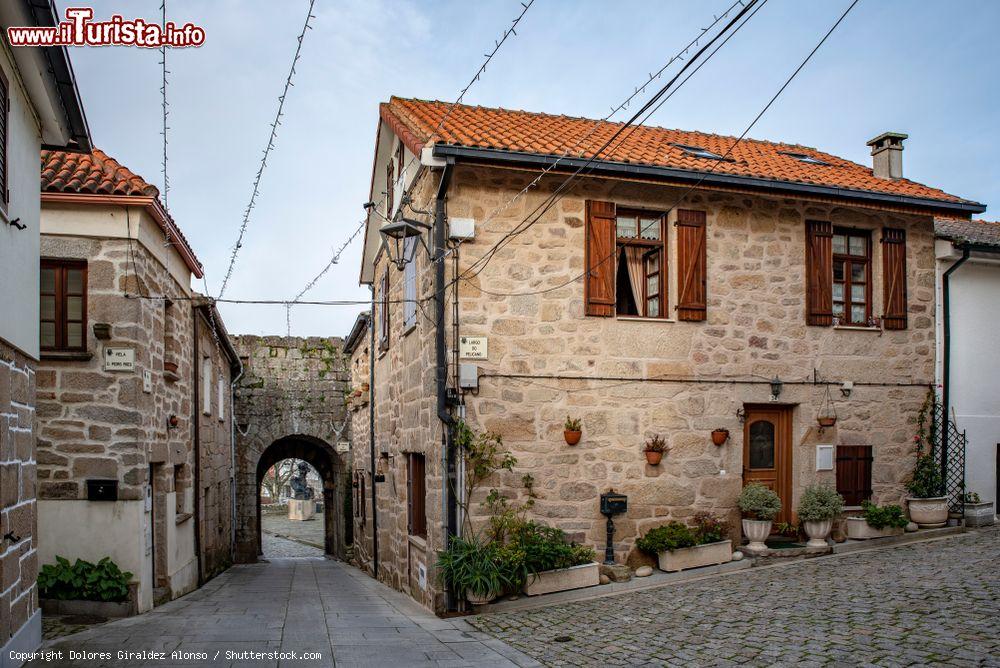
x: 678, y: 547
x: 827, y: 414
x: 654, y: 449
x: 761, y: 505
x: 927, y: 506
x: 551, y: 562
x: 818, y: 507
x: 978, y: 513
x: 876, y: 522
x: 84, y: 588
x: 720, y: 435
x: 471, y: 566
x: 572, y: 430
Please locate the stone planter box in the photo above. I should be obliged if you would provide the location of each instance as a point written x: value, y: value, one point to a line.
x: 575, y: 577
x: 708, y: 554
x: 979, y: 514
x: 859, y: 529
x: 929, y: 513
x: 51, y: 606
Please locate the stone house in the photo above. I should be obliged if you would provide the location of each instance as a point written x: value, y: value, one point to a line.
x: 39, y: 104
x: 968, y: 287
x: 678, y: 283
x: 135, y: 453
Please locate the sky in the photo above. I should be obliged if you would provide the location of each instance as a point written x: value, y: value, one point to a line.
x: 929, y: 69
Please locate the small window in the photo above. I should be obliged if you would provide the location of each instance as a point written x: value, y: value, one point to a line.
x: 221, y: 397
x: 63, y: 305
x: 852, y: 276
x: 410, y: 284
x: 640, y: 284
x: 806, y: 158
x: 699, y: 152
x: 383, y: 311
x: 206, y: 385
x: 416, y: 493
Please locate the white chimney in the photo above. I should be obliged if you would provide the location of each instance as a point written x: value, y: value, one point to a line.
x: 887, y: 155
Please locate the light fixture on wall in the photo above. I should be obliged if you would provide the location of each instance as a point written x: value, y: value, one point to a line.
x: 394, y: 236
x: 776, y: 386
x: 846, y: 389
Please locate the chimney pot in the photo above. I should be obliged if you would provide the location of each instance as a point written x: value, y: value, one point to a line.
x: 887, y: 155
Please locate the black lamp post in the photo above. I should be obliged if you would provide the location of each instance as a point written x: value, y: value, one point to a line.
x: 394, y: 236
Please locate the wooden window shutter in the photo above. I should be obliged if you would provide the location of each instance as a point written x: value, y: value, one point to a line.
x: 692, y: 260
x: 854, y: 473
x: 599, y: 288
x: 894, y: 278
x: 819, y: 272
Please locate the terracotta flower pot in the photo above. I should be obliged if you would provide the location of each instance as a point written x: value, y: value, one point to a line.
x: 929, y: 513
x: 818, y: 531
x: 720, y: 436
x: 572, y: 437
x: 653, y: 458
x: 826, y: 421
x: 170, y: 367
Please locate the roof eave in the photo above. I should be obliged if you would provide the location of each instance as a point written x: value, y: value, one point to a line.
x: 608, y: 168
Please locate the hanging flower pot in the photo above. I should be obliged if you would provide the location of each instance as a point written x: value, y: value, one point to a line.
x: 653, y: 458
x: 572, y: 430
x: 654, y: 449
x: 720, y: 436
x: 826, y: 421
x: 827, y: 413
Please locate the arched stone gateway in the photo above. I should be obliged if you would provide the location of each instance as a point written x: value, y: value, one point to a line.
x: 290, y: 404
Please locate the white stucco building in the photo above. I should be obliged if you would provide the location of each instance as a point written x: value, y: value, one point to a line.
x: 968, y: 291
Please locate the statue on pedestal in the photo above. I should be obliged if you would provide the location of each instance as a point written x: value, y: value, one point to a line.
x: 300, y: 490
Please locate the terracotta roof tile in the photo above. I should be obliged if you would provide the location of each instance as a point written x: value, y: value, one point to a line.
x: 982, y: 232
x: 546, y: 134
x: 95, y: 173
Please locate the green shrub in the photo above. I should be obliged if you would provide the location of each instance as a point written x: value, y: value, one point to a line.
x: 926, y: 481
x: 669, y: 537
x: 759, y: 502
x: 708, y: 528
x: 819, y: 503
x: 471, y: 565
x: 546, y: 548
x: 83, y: 581
x: 880, y: 517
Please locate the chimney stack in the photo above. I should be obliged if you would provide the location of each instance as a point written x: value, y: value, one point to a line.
x: 887, y: 155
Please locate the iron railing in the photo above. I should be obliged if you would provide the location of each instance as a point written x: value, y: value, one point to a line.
x: 949, y: 451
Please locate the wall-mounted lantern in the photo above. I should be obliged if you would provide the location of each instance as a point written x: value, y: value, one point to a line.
x: 394, y: 236
x: 776, y: 386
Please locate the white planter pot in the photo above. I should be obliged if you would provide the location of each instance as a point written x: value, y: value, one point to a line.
x: 859, y: 529
x: 757, y: 532
x: 478, y: 600
x: 695, y: 557
x: 817, y: 531
x: 929, y: 513
x: 979, y: 514
x: 575, y: 577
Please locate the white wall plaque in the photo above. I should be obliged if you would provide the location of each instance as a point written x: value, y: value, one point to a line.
x: 147, y: 381
x: 473, y: 347
x: 343, y: 447
x: 824, y: 457
x: 119, y: 359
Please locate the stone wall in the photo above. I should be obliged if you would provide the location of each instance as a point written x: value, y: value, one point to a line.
x: 290, y: 403
x: 18, y: 557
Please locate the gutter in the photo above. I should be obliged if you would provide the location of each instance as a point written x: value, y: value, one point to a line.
x: 609, y: 168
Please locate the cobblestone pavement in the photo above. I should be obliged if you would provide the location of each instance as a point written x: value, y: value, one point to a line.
x: 282, y: 607
x: 311, y: 532
x: 276, y: 547
x: 930, y: 603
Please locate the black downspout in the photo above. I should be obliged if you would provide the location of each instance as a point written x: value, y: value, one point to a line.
x: 196, y: 422
x: 441, y: 371
x: 946, y: 359
x: 371, y: 430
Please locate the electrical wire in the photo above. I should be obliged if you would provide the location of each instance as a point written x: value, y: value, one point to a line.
x: 163, y: 93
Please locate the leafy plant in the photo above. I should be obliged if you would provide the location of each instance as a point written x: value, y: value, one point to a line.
x: 83, y: 580
x: 926, y: 481
x: 787, y: 529
x: 484, y: 455
x: 820, y: 503
x: 572, y: 424
x: 880, y: 517
x: 471, y: 565
x: 759, y: 502
x: 546, y: 548
x: 708, y: 528
x: 672, y: 536
x: 655, y: 444
x: 972, y: 497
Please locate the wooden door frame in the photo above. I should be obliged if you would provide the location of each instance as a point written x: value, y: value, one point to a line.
x: 782, y: 456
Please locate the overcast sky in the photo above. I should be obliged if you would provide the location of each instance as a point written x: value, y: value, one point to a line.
x: 930, y: 69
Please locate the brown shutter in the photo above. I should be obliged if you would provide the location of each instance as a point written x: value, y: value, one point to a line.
x: 819, y: 273
x: 894, y: 278
x: 692, y: 259
x: 854, y: 473
x: 599, y: 288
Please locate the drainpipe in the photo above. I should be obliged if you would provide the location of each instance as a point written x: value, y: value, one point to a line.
x: 196, y: 422
x: 450, y: 507
x: 946, y: 357
x: 371, y: 430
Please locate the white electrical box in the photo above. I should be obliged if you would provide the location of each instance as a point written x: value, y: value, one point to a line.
x: 468, y: 376
x: 461, y: 228
x: 824, y: 457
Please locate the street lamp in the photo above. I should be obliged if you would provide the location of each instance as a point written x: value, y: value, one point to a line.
x: 394, y: 236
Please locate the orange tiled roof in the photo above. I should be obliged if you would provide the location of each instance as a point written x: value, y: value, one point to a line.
x: 981, y: 232
x: 97, y: 173
x: 415, y: 122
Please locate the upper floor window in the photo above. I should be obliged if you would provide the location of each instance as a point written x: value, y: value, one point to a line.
x: 400, y: 167
x: 639, y: 280
x: 852, y: 270
x: 410, y: 284
x: 383, y: 311
x: 63, y: 305
x: 206, y: 385
x: 390, y: 190
x: 416, y: 492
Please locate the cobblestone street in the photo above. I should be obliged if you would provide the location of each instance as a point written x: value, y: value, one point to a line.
x: 925, y: 603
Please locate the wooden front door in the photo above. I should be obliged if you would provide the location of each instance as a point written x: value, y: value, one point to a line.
x: 767, y: 452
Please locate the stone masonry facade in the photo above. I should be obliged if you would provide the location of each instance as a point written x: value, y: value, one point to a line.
x: 18, y: 535
x: 290, y: 404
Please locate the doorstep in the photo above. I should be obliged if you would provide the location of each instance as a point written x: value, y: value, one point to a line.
x: 657, y: 579
x: 851, y: 545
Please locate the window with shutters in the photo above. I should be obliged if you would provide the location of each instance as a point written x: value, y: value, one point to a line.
x: 410, y: 285
x: 383, y: 311
x: 852, y: 271
x: 400, y: 167
x: 416, y: 491
x: 854, y: 473
x: 390, y: 190
x: 4, y: 131
x: 640, y: 285
x: 63, y: 305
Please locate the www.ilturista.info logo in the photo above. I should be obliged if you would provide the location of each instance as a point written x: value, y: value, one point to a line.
x: 79, y: 30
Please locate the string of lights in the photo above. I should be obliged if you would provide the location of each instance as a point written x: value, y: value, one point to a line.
x: 694, y: 186
x: 267, y: 149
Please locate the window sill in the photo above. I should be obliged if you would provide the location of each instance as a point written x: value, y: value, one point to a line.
x: 182, y: 518
x: 637, y: 318
x: 418, y: 541
x: 858, y: 328
x: 67, y: 355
